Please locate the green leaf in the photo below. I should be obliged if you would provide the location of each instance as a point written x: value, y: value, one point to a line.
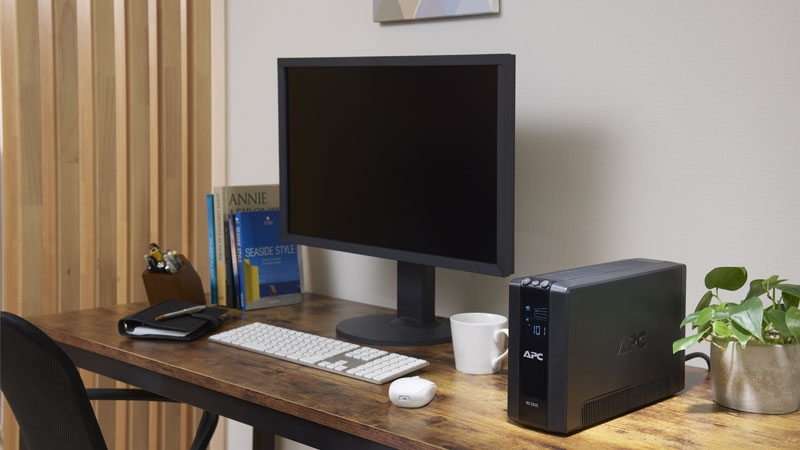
x: 790, y: 300
x: 740, y: 334
x: 705, y: 301
x: 698, y: 318
x: 793, y: 322
x: 793, y: 289
x: 689, y: 319
x: 756, y: 289
x: 778, y: 320
x: 704, y: 316
x: 770, y: 282
x: 728, y: 278
x: 749, y: 316
x: 721, y: 312
x: 688, y: 341
x: 722, y: 329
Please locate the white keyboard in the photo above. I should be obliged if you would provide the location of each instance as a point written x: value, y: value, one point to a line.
x: 333, y: 355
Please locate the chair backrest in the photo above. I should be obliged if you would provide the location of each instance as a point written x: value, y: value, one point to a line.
x: 44, y: 390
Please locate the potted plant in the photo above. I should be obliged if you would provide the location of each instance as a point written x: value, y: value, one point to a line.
x: 755, y: 342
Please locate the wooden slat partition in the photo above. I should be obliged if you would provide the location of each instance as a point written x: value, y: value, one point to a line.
x: 107, y: 146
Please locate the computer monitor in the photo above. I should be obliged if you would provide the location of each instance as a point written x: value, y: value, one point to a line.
x: 409, y: 158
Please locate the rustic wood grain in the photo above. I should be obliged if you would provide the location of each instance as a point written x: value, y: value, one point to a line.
x: 97, y: 163
x: 469, y: 411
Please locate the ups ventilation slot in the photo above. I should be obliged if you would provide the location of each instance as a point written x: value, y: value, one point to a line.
x: 619, y: 402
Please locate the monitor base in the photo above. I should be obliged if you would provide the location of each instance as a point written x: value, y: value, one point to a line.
x: 388, y: 329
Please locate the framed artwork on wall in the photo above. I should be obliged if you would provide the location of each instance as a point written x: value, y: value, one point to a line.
x: 397, y: 10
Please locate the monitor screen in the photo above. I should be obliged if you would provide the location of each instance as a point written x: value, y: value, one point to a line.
x: 407, y: 158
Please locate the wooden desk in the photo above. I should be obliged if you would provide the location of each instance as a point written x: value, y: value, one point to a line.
x: 326, y: 410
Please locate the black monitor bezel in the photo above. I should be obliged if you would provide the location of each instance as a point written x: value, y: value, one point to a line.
x: 505, y: 64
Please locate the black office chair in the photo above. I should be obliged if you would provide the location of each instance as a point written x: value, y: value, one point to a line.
x: 47, y: 395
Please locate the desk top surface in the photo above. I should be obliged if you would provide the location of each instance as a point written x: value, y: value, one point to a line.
x: 469, y: 411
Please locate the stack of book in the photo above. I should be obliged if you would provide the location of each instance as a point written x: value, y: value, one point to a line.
x: 250, y: 267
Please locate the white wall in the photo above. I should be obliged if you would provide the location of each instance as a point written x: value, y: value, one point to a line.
x: 666, y: 130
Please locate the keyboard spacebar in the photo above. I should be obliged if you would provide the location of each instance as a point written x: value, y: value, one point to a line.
x: 256, y: 347
x: 269, y: 350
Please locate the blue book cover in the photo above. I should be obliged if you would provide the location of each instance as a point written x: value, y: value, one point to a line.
x: 269, y: 270
x: 212, y: 247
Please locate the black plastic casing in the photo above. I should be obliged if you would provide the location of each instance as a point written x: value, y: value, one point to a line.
x: 592, y: 343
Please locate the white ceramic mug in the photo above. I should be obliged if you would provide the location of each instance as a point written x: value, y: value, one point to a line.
x: 480, y: 342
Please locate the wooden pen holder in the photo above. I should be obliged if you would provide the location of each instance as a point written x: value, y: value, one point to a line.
x: 185, y: 284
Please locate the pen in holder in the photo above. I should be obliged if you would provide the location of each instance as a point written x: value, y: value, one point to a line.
x: 185, y: 284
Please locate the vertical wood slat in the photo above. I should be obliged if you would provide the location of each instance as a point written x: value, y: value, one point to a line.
x: 100, y: 104
x: 196, y: 129
x: 121, y: 178
x: 105, y: 128
x: 49, y: 156
x: 12, y: 174
x: 87, y: 188
x: 138, y: 202
x: 153, y: 91
x: 68, y: 163
x: 141, y: 200
x: 104, y: 132
x: 31, y: 177
x: 187, y: 203
x: 87, y: 184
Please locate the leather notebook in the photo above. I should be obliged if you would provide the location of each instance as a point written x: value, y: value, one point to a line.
x: 186, y: 327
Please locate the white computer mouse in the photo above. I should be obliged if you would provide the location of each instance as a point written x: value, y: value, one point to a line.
x: 412, y: 392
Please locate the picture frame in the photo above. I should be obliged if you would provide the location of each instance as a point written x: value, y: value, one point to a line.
x: 405, y: 10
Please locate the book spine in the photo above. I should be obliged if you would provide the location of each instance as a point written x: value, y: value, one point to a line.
x: 240, y: 262
x: 222, y: 247
x: 228, y: 269
x: 250, y: 278
x: 234, y: 261
x: 212, y: 246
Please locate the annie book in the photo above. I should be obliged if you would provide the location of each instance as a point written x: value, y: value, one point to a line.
x: 229, y: 200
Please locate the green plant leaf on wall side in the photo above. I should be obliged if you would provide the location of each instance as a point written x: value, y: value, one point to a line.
x: 749, y: 316
x: 771, y: 282
x: 704, y: 316
x: 690, y: 319
x: 698, y: 318
x: 756, y: 289
x: 793, y: 289
x: 793, y: 322
x: 705, y: 301
x: 727, y: 278
x: 688, y: 341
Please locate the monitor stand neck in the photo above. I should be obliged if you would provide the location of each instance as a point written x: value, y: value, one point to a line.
x: 416, y: 292
x: 415, y: 322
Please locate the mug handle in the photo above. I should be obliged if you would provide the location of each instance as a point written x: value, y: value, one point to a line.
x: 496, y: 362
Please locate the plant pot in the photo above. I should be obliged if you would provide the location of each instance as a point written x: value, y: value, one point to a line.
x: 758, y: 378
